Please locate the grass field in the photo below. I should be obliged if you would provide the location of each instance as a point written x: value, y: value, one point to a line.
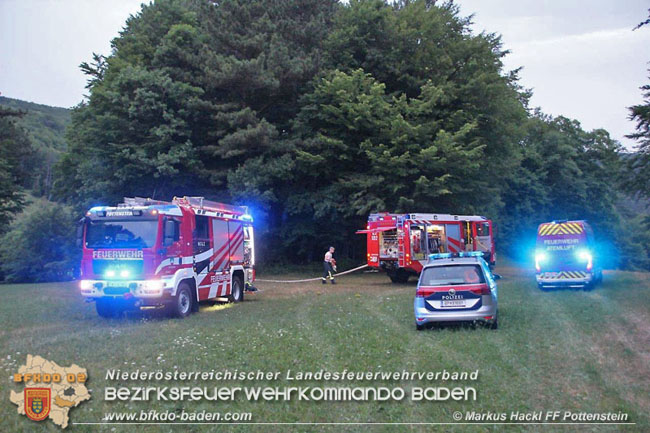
x: 562, y: 350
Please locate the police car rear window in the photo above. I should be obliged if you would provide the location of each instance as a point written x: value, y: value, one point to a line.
x: 452, y: 275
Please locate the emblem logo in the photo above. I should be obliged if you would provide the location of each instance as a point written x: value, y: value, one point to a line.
x: 452, y: 292
x: 37, y: 403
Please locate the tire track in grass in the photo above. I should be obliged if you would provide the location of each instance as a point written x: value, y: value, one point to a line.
x: 445, y: 350
x: 565, y: 355
x: 624, y: 343
x: 360, y: 336
x: 418, y: 346
x: 441, y: 346
x: 313, y: 319
x: 589, y: 382
x: 510, y: 360
x: 620, y: 347
x: 393, y: 310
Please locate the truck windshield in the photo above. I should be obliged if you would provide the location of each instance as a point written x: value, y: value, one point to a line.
x: 121, y: 234
x: 451, y: 275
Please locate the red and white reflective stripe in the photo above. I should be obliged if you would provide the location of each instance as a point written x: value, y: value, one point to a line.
x: 224, y: 289
x: 213, y: 291
x: 454, y: 244
x: 428, y: 222
x: 216, y: 289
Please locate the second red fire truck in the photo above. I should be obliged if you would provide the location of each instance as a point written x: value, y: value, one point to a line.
x: 400, y: 244
x: 147, y: 253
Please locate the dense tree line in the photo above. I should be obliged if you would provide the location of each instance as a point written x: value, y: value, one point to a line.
x: 15, y: 151
x: 44, y: 127
x: 38, y: 245
x: 315, y: 113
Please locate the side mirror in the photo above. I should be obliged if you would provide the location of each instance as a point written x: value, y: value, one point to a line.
x: 169, y: 232
x: 496, y: 276
x: 80, y: 232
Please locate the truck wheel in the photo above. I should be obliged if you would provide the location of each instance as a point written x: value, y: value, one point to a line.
x: 183, y: 301
x: 401, y: 276
x: 105, y: 308
x: 237, y: 293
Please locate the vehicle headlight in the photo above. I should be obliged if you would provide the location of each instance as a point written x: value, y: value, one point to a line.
x: 584, y: 255
x: 540, y: 256
x: 154, y: 285
x: 85, y: 284
x: 110, y: 273
x: 124, y: 273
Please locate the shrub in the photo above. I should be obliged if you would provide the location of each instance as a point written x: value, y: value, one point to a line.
x: 40, y: 244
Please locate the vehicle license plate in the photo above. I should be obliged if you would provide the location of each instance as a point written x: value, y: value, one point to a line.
x: 454, y: 303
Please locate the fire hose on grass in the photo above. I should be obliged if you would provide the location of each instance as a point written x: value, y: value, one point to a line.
x: 311, y: 279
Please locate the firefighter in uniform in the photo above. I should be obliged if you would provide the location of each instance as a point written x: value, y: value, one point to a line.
x: 328, y: 266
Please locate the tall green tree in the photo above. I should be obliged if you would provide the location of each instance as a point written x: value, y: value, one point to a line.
x: 191, y: 91
x: 414, y: 45
x: 639, y: 163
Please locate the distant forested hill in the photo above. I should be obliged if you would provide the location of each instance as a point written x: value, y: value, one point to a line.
x: 44, y: 126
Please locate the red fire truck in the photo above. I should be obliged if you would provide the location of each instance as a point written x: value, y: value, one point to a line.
x: 147, y: 253
x: 400, y: 244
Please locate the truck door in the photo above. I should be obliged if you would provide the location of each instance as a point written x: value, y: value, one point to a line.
x: 372, y: 245
x: 418, y: 242
x: 454, y: 237
x: 236, y: 239
x: 249, y: 246
x: 220, y: 278
x: 468, y: 237
x: 482, y: 236
x: 171, y: 242
x: 202, y: 252
x: 435, y: 239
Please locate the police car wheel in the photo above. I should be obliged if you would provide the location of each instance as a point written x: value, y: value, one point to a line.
x: 495, y: 323
x: 419, y: 327
x: 237, y: 294
x: 105, y: 308
x: 183, y: 302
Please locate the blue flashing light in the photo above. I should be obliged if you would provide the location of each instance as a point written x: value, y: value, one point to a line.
x: 470, y: 254
x: 117, y: 273
x: 584, y: 255
x: 440, y: 256
x: 540, y: 256
x: 247, y: 217
x: 461, y: 254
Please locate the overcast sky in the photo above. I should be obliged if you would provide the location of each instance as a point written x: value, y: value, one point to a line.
x: 581, y: 58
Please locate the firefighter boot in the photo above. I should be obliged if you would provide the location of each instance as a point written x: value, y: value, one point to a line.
x: 324, y: 281
x: 333, y: 282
